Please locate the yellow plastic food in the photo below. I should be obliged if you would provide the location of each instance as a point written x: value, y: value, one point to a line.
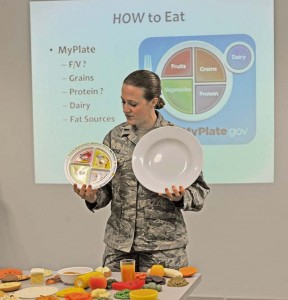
x: 82, y: 281
x: 172, y: 273
x: 47, y: 273
x: 10, y: 286
x: 64, y: 292
x: 37, y: 278
x: 157, y: 270
x: 145, y: 294
x: 2, y: 294
x: 99, y: 293
x: 105, y: 271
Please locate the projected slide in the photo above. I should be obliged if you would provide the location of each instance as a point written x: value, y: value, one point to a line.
x: 199, y: 75
x: 216, y: 73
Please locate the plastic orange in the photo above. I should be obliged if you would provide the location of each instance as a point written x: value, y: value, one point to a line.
x: 157, y: 270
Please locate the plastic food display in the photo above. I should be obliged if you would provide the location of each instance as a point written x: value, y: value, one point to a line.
x: 90, y: 163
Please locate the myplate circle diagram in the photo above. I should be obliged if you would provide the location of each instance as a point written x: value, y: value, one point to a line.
x: 195, y: 81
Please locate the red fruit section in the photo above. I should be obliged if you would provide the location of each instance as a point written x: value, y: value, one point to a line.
x: 180, y: 64
x: 98, y: 282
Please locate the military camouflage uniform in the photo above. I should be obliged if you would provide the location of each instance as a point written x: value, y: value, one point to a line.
x: 141, y: 220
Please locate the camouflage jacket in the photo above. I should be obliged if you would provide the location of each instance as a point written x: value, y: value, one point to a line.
x: 141, y: 218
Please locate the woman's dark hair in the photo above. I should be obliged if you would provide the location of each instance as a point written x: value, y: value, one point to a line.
x: 150, y: 82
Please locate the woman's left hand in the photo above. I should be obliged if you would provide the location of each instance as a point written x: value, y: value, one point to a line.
x: 174, y: 194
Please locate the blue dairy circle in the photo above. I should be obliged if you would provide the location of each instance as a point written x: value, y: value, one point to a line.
x: 239, y: 57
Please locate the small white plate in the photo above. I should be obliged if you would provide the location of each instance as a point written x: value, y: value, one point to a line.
x: 90, y: 163
x: 167, y: 156
x: 37, y: 291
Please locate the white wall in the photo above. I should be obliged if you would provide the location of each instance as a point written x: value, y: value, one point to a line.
x: 238, y: 241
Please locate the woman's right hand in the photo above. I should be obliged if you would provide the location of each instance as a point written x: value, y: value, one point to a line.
x: 86, y: 193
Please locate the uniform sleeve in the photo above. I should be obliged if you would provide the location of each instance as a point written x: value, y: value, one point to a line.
x: 194, y: 196
x: 104, y: 196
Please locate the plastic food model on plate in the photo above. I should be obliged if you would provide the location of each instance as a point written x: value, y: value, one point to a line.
x: 53, y: 280
x: 188, y: 271
x: 124, y: 294
x: 167, y: 272
x: 4, y: 296
x: 177, y: 282
x: 52, y: 297
x: 157, y: 270
x: 23, y: 277
x: 9, y: 278
x: 109, y: 283
x: 98, y: 282
x: 37, y: 275
x: 62, y: 293
x: 152, y: 286
x: 6, y: 271
x: 100, y: 293
x: 47, y: 273
x: 90, y: 163
x: 105, y: 271
x: 155, y: 279
x: 83, y: 280
x: 129, y: 285
x: 78, y: 296
x: 10, y: 286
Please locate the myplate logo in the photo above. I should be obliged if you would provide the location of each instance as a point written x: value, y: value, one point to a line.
x: 208, y: 84
x: 231, y: 132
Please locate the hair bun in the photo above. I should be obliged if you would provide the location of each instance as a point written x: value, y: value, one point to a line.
x: 160, y: 104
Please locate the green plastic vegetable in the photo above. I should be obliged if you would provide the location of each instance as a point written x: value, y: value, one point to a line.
x: 124, y: 294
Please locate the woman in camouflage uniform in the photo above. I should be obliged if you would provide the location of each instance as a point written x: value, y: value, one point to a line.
x: 143, y: 225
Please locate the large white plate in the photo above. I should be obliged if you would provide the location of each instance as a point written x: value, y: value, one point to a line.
x: 90, y: 163
x: 167, y: 156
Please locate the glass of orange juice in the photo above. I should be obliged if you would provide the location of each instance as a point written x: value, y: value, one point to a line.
x: 127, y: 267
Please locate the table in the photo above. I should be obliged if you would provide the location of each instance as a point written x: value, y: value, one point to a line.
x: 175, y: 293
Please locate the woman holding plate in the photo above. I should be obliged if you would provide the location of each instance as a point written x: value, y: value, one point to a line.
x: 143, y: 225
